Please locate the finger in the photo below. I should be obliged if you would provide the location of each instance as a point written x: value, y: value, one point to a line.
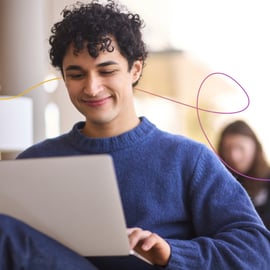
x: 130, y: 230
x: 150, y: 245
x: 136, y: 236
x: 155, y: 249
x: 148, y: 242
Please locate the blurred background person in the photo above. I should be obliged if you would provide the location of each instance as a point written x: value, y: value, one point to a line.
x: 243, y: 154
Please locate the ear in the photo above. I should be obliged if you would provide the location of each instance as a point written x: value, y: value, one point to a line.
x: 136, y: 70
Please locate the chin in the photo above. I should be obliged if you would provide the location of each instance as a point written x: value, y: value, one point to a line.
x: 101, y: 120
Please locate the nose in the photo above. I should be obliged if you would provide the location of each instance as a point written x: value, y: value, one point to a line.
x: 92, y: 86
x: 234, y: 156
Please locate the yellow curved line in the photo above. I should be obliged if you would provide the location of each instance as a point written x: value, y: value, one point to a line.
x: 26, y: 91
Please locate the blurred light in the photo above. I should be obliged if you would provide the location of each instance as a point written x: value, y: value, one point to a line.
x: 52, y: 120
x: 51, y: 86
x: 16, y: 124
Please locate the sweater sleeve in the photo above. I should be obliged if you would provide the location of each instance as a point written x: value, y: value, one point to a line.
x: 229, y: 233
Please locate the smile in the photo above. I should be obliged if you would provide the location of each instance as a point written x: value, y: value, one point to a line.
x: 96, y: 102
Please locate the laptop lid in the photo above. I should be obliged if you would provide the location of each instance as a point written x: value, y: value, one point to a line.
x: 73, y: 199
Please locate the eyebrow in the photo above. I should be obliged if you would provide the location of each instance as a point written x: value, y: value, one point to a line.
x: 108, y: 63
x: 103, y: 64
x: 73, y: 67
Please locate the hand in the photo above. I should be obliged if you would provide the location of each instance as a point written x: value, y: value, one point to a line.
x: 150, y: 245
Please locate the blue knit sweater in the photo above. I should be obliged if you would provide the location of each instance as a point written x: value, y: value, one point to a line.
x: 179, y: 189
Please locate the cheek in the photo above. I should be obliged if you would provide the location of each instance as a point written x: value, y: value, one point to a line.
x: 70, y: 93
x: 72, y: 88
x: 249, y: 156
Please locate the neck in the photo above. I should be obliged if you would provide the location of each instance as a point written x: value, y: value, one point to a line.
x: 111, y: 129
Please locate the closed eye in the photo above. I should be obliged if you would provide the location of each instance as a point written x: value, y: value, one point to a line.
x: 75, y: 76
x: 107, y: 72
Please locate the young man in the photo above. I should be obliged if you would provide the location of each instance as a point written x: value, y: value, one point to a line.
x: 184, y: 210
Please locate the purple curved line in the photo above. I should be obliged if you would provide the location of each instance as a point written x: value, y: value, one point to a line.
x: 205, y: 134
x: 231, y: 78
x: 197, y: 107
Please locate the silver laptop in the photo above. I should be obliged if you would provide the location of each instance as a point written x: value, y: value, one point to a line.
x: 74, y: 200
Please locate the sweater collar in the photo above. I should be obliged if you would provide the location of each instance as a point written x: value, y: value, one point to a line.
x: 105, y: 145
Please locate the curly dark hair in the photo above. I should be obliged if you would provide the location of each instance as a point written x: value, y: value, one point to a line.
x: 93, y: 24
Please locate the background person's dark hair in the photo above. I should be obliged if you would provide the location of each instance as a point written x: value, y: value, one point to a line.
x: 93, y: 24
x: 259, y: 167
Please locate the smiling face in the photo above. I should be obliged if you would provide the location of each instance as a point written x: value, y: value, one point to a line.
x: 101, y: 89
